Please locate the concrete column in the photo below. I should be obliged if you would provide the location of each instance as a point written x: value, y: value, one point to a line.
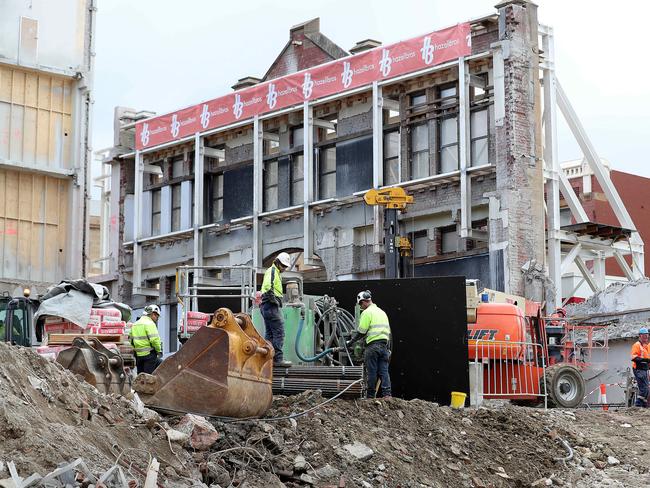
x: 518, y: 229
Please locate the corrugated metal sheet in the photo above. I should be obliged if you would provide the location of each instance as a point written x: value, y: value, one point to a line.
x: 33, y: 226
x: 35, y: 118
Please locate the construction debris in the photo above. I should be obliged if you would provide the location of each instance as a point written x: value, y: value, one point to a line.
x: 58, y: 428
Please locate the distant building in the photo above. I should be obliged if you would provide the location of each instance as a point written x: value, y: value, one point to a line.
x: 46, y: 68
x: 634, y: 191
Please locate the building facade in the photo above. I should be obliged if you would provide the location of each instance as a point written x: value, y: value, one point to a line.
x: 463, y: 136
x: 46, y: 66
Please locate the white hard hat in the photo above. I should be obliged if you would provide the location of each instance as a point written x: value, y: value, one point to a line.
x: 364, y: 295
x: 284, y: 258
x: 149, y: 309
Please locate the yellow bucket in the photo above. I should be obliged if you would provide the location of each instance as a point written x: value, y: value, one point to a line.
x: 458, y: 399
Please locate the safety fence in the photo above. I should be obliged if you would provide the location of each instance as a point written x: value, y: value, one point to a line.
x: 507, y: 370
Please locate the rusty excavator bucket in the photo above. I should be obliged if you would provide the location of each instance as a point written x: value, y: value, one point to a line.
x: 99, y: 366
x: 224, y: 369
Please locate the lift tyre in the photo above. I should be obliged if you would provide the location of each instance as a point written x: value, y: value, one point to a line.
x: 565, y: 386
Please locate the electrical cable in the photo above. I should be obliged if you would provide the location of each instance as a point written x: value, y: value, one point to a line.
x: 298, y: 414
x: 231, y: 420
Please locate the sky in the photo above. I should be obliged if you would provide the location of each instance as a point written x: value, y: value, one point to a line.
x: 161, y: 55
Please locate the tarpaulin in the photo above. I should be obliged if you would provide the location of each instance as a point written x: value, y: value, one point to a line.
x: 72, y: 300
x: 327, y: 79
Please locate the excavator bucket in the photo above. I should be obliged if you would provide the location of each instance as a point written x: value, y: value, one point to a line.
x: 99, y: 366
x: 224, y: 369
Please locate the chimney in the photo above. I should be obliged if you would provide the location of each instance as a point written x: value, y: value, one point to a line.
x: 364, y: 45
x: 297, y: 32
x: 245, y: 82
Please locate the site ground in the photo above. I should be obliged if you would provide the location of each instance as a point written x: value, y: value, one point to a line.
x: 49, y: 417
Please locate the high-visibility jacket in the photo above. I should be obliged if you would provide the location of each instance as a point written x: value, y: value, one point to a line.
x: 374, y: 324
x: 272, y: 283
x: 640, y: 351
x: 144, y: 336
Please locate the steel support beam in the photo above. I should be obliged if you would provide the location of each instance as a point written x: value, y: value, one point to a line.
x: 199, y: 163
x: 308, y: 182
x: 599, y: 270
x: 586, y: 274
x: 552, y: 165
x: 623, y: 265
x: 465, y: 153
x: 258, y: 178
x: 137, y: 223
x: 591, y: 243
x: 593, y: 159
x: 568, y: 261
x: 377, y: 163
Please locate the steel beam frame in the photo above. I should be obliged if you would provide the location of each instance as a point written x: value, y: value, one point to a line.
x: 258, y: 179
x: 556, y: 182
x: 308, y: 182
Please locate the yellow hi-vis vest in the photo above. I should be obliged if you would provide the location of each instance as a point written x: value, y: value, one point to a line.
x: 272, y: 281
x: 374, y: 324
x: 144, y: 336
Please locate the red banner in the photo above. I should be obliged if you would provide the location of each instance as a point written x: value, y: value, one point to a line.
x: 338, y: 76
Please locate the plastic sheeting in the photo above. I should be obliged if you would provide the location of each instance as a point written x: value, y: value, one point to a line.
x: 72, y: 300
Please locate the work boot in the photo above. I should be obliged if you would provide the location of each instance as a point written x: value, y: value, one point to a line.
x: 282, y: 364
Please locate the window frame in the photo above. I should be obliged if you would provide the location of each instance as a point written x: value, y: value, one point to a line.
x: 156, y: 214
x: 398, y: 158
x: 323, y: 174
x: 447, y: 109
x: 293, y: 180
x: 176, y: 186
x: 266, y: 186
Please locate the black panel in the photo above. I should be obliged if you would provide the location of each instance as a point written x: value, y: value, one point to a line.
x: 211, y: 304
x: 284, y: 182
x: 473, y: 267
x: 429, y: 325
x: 238, y: 192
x: 353, y: 166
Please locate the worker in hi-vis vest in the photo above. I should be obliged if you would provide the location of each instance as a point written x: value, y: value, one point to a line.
x: 146, y: 341
x: 375, y: 328
x: 271, y: 307
x: 640, y: 360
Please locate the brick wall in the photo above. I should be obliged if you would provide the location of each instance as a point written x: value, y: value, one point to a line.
x: 301, y: 52
x: 634, y: 190
x: 519, y: 230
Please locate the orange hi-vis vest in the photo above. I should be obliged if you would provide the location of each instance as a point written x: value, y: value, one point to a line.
x: 640, y: 351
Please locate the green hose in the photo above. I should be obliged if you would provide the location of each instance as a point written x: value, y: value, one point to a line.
x: 317, y: 356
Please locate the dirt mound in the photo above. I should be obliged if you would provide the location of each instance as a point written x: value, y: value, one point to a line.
x: 48, y: 416
x: 385, y: 443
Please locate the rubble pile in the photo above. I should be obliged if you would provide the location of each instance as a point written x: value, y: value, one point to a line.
x: 49, y: 417
x: 624, y: 306
x: 384, y: 443
x: 55, y: 425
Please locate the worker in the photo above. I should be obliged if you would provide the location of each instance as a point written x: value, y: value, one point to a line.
x: 271, y: 307
x: 146, y: 341
x: 375, y: 328
x: 640, y: 361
